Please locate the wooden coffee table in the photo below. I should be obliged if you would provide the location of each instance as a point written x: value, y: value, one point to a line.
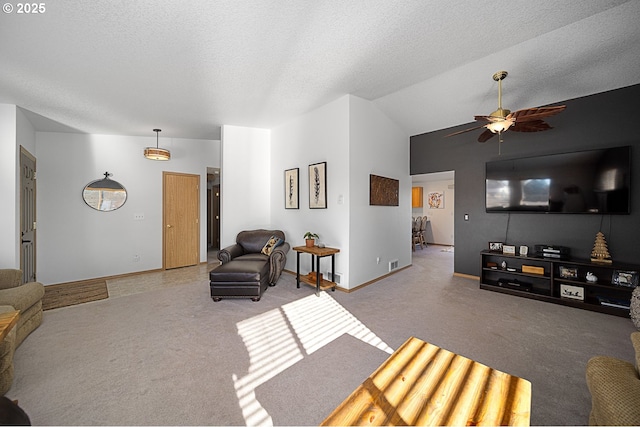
x: 8, y: 321
x: 422, y: 384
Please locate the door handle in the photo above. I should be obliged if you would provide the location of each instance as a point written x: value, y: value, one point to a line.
x: 168, y: 226
x: 26, y: 241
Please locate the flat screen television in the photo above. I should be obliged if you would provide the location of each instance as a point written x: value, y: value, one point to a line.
x: 583, y: 182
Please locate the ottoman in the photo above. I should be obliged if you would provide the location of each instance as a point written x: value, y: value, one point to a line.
x: 239, y: 279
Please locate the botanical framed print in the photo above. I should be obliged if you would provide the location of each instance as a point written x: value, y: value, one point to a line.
x: 318, y: 186
x: 291, y: 189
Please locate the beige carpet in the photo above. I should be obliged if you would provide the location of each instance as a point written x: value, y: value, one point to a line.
x: 174, y: 357
x: 66, y: 294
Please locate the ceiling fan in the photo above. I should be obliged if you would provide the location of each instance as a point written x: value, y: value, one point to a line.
x: 501, y: 120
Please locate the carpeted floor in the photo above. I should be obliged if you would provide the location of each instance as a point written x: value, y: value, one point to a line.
x: 172, y: 356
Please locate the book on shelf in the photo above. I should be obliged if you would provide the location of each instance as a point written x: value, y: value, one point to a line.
x: 615, y: 302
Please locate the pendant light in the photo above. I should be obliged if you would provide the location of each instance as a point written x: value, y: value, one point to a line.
x: 157, y: 153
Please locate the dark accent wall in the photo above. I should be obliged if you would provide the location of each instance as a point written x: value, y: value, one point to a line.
x: 606, y: 119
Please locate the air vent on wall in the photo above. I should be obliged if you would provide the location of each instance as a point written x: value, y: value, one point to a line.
x: 338, y: 276
x: 393, y: 265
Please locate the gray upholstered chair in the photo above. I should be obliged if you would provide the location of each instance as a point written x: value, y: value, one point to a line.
x: 615, y: 389
x: 27, y: 298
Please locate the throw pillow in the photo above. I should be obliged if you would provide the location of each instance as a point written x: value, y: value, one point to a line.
x: 271, y: 244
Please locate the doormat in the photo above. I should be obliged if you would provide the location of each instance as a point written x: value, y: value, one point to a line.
x: 66, y: 294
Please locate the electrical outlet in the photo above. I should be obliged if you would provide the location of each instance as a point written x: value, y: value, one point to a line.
x: 378, y: 260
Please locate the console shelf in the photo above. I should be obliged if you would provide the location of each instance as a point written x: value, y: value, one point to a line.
x: 559, y: 281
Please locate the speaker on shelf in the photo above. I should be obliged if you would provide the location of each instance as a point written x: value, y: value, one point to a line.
x: 552, y: 251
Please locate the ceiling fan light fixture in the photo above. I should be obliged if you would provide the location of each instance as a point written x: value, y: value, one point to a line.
x: 499, y: 126
x: 157, y: 153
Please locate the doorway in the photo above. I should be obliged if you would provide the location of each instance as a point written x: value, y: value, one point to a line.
x: 181, y: 219
x: 27, y: 216
x: 213, y: 209
x: 440, y: 228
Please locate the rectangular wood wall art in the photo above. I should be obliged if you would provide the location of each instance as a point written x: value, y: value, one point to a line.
x: 383, y: 191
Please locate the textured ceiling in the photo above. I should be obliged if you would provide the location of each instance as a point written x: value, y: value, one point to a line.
x: 126, y: 67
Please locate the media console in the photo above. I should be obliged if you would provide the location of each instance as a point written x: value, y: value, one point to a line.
x: 561, y: 281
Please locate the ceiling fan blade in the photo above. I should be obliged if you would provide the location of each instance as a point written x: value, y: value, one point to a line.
x: 531, y: 114
x: 485, y: 136
x: 532, y: 126
x: 464, y: 131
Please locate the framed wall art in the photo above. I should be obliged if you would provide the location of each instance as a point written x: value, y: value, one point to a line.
x: 435, y: 200
x: 291, y: 189
x: 318, y: 186
x: 383, y: 191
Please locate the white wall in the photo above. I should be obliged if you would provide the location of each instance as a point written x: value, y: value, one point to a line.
x: 245, y: 196
x: 377, y: 146
x: 9, y: 191
x: 440, y: 227
x: 76, y: 242
x: 321, y: 135
x: 355, y: 139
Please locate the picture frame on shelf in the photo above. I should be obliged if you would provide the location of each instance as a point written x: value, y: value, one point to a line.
x: 524, y: 250
x: 568, y: 272
x: 291, y: 189
x: 318, y: 185
x: 495, y: 246
x: 627, y: 279
x: 508, y: 249
x: 572, y: 292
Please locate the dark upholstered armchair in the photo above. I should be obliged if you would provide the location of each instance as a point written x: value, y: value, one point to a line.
x: 248, y: 247
x: 250, y: 265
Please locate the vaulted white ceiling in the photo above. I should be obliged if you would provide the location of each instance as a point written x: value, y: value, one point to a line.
x: 126, y: 67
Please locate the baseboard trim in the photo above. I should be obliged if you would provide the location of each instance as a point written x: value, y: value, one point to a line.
x: 466, y: 276
x: 117, y: 276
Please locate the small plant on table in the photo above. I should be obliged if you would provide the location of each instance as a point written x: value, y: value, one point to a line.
x: 310, y: 239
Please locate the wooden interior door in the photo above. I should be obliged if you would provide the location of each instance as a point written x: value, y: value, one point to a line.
x: 181, y: 219
x: 27, y: 216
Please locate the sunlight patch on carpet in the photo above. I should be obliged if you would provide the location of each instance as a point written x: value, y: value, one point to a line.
x: 272, y: 339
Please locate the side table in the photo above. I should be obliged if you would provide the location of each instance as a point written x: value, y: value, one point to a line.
x: 314, y: 278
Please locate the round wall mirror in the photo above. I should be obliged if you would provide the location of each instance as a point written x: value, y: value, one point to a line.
x: 104, y: 194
